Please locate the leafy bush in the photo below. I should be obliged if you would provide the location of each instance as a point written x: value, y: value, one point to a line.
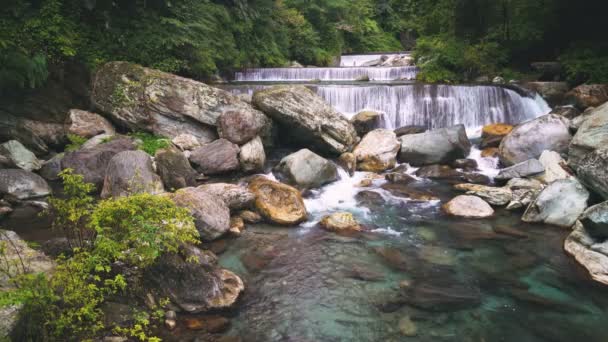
x: 586, y: 64
x: 76, y: 142
x: 150, y: 143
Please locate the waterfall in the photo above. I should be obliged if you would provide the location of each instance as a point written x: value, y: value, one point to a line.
x: 327, y: 74
x: 358, y: 60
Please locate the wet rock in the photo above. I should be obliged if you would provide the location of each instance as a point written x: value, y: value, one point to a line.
x: 377, y: 151
x: 250, y: 216
x: 399, y: 177
x: 407, y: 130
x: 443, y: 295
x: 19, y: 156
x: 310, y: 120
x: 87, y: 124
x: 527, y: 168
x: 492, y: 195
x: 552, y: 92
x: 365, y: 122
x: 277, y: 202
x: 174, y: 169
x: 490, y: 152
x: 530, y: 139
x: 588, y: 95
x: 187, y: 142
x: 554, y: 167
x: 211, y: 214
x: 236, y: 197
x: 592, y: 171
x: 569, y: 112
x: 131, y: 172
x: 305, y: 169
x: 239, y: 127
x: 237, y: 225
x: 560, y: 204
x: 220, y: 156
x: 210, y: 324
x: 595, y: 221
x: 393, y: 258
x: 404, y: 191
x: 524, y: 191
x: 252, y: 156
x: 440, y: 146
x: 465, y: 164
x: 51, y: 168
x: 492, y: 135
x: 97, y: 140
x: 407, y: 327
x: 340, y: 223
x: 364, y: 273
x: 22, y: 185
x: 444, y: 172
x: 348, y: 162
x: 369, y: 198
x: 588, y: 252
x: 591, y: 135
x: 468, y: 206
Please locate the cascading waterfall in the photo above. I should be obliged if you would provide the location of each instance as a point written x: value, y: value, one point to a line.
x: 326, y: 74
x: 358, y: 60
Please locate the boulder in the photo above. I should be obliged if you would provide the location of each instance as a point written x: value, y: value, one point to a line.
x: 588, y: 95
x: 366, y: 121
x: 252, y: 156
x: 528, y: 168
x: 552, y: 92
x: 188, y: 142
x: 492, y: 195
x: 211, y: 214
x: 240, y: 127
x: 407, y: 130
x: 465, y: 164
x: 51, y: 168
x: 590, y: 136
x: 377, y: 151
x: 490, y: 152
x: 220, y: 156
x: 97, y: 140
x: 560, y: 204
x: 402, y: 191
x: 492, y: 135
x: 87, y: 124
x: 523, y: 191
x: 530, y: 139
x: 305, y: 169
x: 22, y: 185
x: 446, y: 173
x: 92, y: 162
x: 143, y: 99
x: 130, y: 172
x: 277, y: 202
x: 399, y: 177
x: 592, y: 171
x: 307, y: 117
x: 348, y: 162
x: 569, y: 112
x: 468, y: 206
x: 595, y: 220
x: 174, y: 169
x: 554, y: 167
x: 340, y: 223
x: 440, y: 146
x: 236, y: 197
x: 588, y: 252
x: 19, y: 156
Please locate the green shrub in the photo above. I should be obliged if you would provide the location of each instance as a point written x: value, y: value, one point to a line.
x: 586, y: 64
x: 76, y: 142
x: 150, y: 143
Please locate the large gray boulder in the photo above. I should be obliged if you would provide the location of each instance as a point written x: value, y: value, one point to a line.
x: 92, y: 162
x: 306, y: 169
x: 589, y: 252
x: 530, y: 139
x: 220, y: 156
x: 307, y: 118
x: 235, y: 196
x: 22, y: 184
x: 377, y: 151
x: 252, y: 156
x: 592, y: 171
x: 595, y: 220
x: 240, y: 127
x: 590, y: 136
x: 87, y: 124
x: 150, y: 100
x: 174, y: 169
x: 560, y: 204
x: 20, y: 156
x: 211, y: 214
x: 441, y: 146
x: 131, y: 172
x: 528, y: 168
x: 366, y: 121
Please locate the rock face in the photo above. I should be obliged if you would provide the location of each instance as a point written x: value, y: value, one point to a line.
x: 340, y: 222
x: 588, y: 95
x: 307, y: 117
x: 560, y: 204
x: 87, y: 124
x: 530, y: 139
x: 92, y: 162
x: 239, y: 127
x: 377, y: 151
x: 174, y: 169
x: 220, y: 156
x: 528, y: 168
x: 440, y: 146
x: 591, y: 135
x: 278, y: 202
x: 588, y: 252
x: 211, y: 214
x: 252, y: 156
x: 305, y: 169
x: 468, y: 206
x: 365, y: 122
x: 20, y: 156
x: 492, y: 135
x: 236, y: 197
x: 592, y: 171
x: 22, y: 184
x: 595, y: 220
x: 492, y: 195
x: 131, y: 172
x: 143, y: 99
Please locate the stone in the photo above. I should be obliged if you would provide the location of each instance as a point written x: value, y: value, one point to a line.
x: 530, y: 139
x: 528, y: 168
x: 277, y: 202
x: 51, y: 168
x: 560, y: 204
x: 96, y: 141
x: 498, y: 80
x: 220, y: 156
x: 237, y: 225
x: 407, y: 130
x: 365, y: 122
x: 569, y: 112
x: 588, y: 95
x: 592, y: 171
x: 589, y: 253
x: 20, y: 156
x: 211, y: 214
x: 252, y: 156
x: 492, y: 135
x: 87, y: 124
x: 595, y: 220
x: 465, y: 164
x: 174, y: 169
x: 591, y: 135
x: 22, y: 185
x: 405, y: 191
x: 469, y: 207
x: 407, y: 327
x: 490, y: 152
x: 492, y: 195
x: 188, y: 142
x: 440, y: 146
x: 239, y: 127
x: 340, y: 223
x: 446, y: 173
x: 377, y: 151
x: 131, y: 172
x: 249, y: 216
x: 524, y: 191
x: 306, y: 169
x: 443, y: 295
x: 307, y: 117
x: 348, y: 161
x: 554, y: 167
x: 553, y: 92
x: 399, y: 177
x: 211, y: 324
x: 235, y: 196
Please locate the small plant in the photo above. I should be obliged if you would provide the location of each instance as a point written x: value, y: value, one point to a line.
x: 76, y: 142
x: 150, y: 143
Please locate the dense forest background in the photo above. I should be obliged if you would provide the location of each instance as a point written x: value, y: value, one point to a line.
x: 454, y: 40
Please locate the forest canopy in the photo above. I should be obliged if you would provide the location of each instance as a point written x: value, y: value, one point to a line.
x: 201, y: 38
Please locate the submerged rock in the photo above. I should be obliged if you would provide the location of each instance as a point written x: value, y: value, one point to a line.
x: 527, y: 168
x: 442, y: 295
x: 340, y: 223
x: 19, y: 156
x: 468, y: 206
x: 211, y: 214
x: 131, y: 172
x: 560, y: 203
x: 588, y: 252
x: 440, y: 146
x: 220, y: 156
x: 306, y: 169
x: 365, y: 122
x: 277, y: 202
x: 87, y: 124
x: 492, y: 195
x: 22, y: 184
x: 377, y: 151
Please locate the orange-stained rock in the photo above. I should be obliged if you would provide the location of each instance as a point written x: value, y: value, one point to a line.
x: 278, y: 202
x: 492, y: 135
x: 490, y: 152
x: 340, y: 222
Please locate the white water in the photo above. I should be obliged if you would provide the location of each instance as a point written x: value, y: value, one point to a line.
x: 358, y: 60
x: 326, y: 74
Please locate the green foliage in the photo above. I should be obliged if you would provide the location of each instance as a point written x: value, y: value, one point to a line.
x: 586, y: 64
x: 76, y: 142
x: 150, y: 143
